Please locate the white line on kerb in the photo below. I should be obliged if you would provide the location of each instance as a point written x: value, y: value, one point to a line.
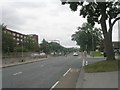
x: 54, y: 85
x: 67, y: 71
x: 17, y: 73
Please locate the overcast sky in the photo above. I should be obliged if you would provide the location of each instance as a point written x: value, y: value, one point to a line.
x: 46, y: 18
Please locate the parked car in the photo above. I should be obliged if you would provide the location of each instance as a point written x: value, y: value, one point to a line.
x: 43, y: 55
x: 75, y: 54
x: 117, y: 51
x: 35, y: 55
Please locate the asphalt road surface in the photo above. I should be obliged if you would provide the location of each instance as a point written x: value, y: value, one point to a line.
x: 42, y: 74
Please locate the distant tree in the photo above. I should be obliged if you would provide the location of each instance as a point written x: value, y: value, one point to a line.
x: 30, y: 45
x: 87, y: 37
x: 102, y: 13
x: 44, y: 46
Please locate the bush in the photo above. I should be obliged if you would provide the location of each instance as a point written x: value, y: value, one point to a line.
x: 19, y: 49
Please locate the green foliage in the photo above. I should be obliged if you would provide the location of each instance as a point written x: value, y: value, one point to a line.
x: 20, y: 49
x: 54, y: 47
x: 44, y: 46
x: 101, y: 13
x: 30, y: 44
x: 8, y: 43
x: 87, y: 37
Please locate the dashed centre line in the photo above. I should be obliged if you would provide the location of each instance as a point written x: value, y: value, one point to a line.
x: 17, y: 73
x: 54, y: 85
x: 67, y: 71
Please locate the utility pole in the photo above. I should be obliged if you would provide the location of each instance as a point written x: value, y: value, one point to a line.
x: 22, y: 51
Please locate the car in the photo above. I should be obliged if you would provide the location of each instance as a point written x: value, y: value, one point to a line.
x: 75, y: 54
x: 43, y: 55
x: 117, y: 51
x: 34, y: 55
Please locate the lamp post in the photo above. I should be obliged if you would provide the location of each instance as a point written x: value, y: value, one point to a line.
x: 8, y: 50
x: 22, y: 51
x: 92, y: 42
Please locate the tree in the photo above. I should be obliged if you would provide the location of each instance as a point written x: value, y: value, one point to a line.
x: 44, y: 46
x: 101, y: 13
x: 87, y: 37
x: 30, y: 44
x: 8, y: 44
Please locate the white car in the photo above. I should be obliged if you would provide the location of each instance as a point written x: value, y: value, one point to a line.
x: 34, y: 55
x: 43, y: 55
x: 75, y: 54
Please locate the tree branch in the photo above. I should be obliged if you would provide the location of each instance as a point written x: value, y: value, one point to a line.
x: 115, y: 20
x: 111, y: 26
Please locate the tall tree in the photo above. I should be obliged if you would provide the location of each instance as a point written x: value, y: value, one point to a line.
x: 87, y: 37
x: 101, y: 13
x: 44, y: 46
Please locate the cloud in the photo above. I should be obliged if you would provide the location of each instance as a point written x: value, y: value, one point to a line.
x: 46, y: 18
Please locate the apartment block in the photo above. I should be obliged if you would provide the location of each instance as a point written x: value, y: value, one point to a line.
x: 20, y: 38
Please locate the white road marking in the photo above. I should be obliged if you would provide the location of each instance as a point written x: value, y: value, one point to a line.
x: 54, y: 85
x: 83, y: 64
x: 86, y: 62
x: 17, y: 73
x: 67, y: 71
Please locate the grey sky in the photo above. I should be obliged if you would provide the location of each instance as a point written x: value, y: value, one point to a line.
x: 46, y: 18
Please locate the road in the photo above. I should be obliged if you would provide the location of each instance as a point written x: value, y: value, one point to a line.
x: 42, y: 74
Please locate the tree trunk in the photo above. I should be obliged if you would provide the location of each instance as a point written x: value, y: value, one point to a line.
x: 109, y: 47
x: 107, y: 35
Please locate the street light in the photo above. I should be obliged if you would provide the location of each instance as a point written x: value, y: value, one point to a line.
x: 22, y: 51
x: 92, y: 42
x: 8, y: 50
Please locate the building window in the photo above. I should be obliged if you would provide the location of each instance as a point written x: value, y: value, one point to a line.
x: 18, y: 35
x: 21, y: 36
x: 13, y: 34
x: 18, y: 39
x: 17, y: 43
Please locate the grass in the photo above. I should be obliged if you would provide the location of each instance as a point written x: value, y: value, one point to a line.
x: 95, y: 53
x: 103, y: 66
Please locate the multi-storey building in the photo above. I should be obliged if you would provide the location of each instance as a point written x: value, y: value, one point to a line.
x: 20, y: 38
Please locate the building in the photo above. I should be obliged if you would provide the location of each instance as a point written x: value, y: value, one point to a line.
x: 21, y: 38
x: 116, y: 44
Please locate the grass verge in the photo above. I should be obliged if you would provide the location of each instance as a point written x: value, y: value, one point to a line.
x: 95, y: 53
x: 103, y: 66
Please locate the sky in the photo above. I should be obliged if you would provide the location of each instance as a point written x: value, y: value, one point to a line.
x: 46, y: 18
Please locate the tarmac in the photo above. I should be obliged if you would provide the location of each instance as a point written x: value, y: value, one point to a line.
x: 88, y: 80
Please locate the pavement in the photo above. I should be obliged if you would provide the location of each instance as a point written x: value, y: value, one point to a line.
x: 97, y: 80
x: 20, y: 63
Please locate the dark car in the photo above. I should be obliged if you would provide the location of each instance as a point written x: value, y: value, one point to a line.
x: 117, y: 51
